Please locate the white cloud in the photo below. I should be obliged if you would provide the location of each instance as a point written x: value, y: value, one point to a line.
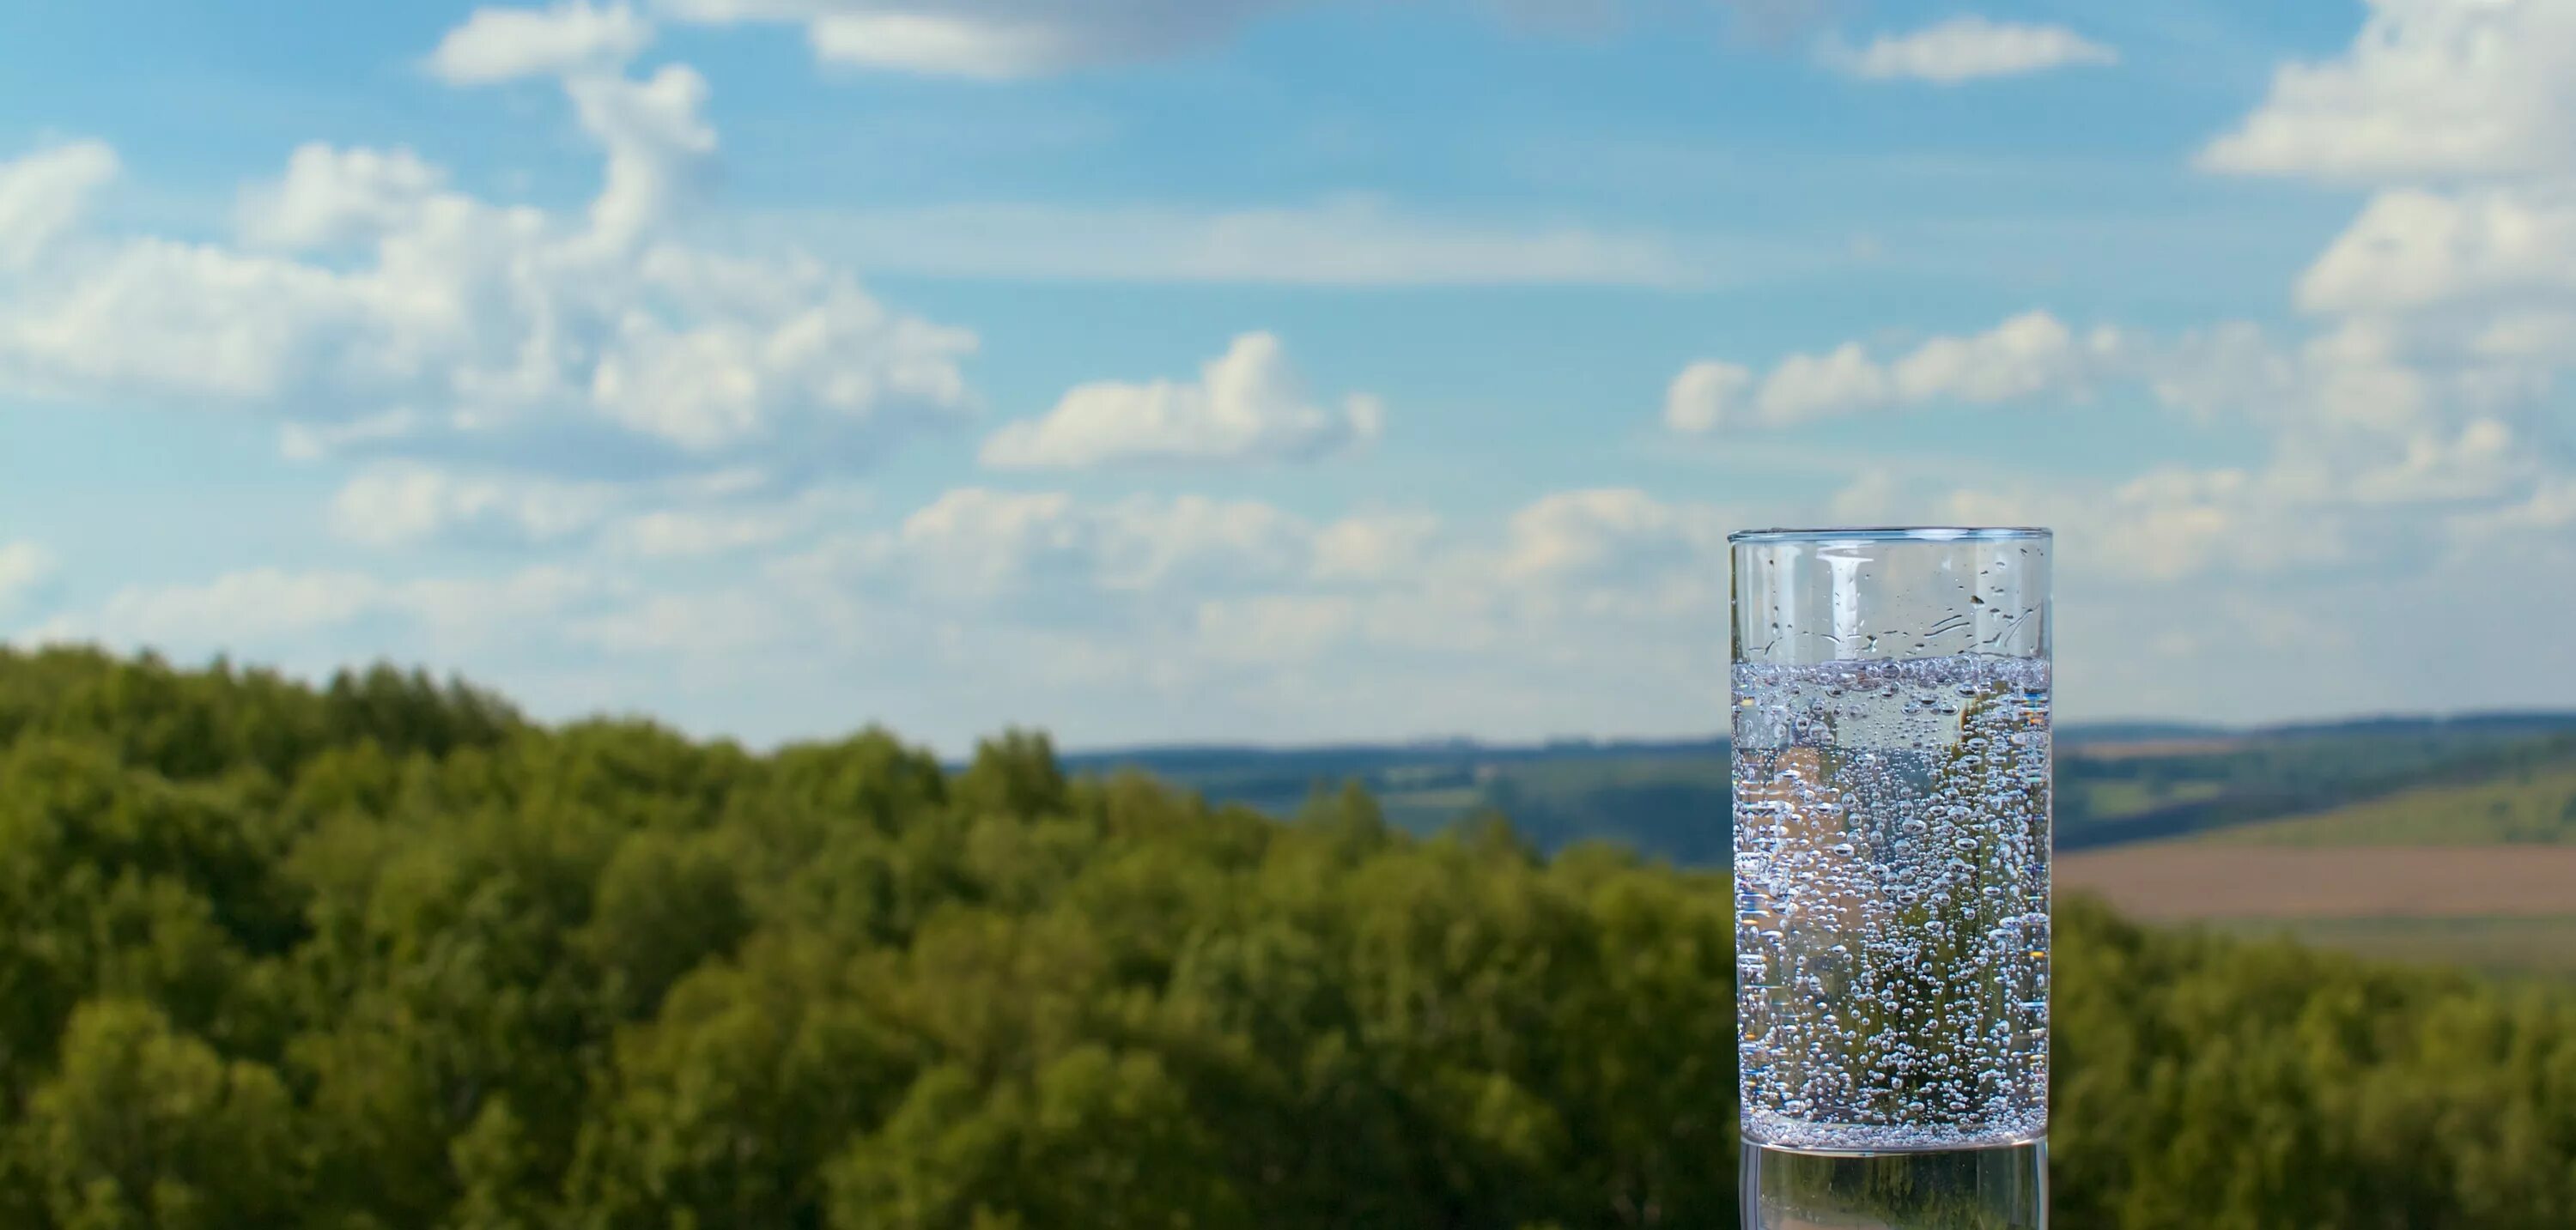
x: 2356, y: 377
x: 945, y: 45
x: 236, y: 609
x: 43, y: 193
x: 1866, y: 500
x: 2233, y: 367
x: 2413, y: 249
x: 262, y: 610
x: 2027, y: 357
x: 487, y: 365
x: 2174, y: 523
x: 1966, y: 49
x: 498, y: 44
x: 2318, y: 505
x: 1843, y: 380
x: 1012, y: 39
x: 1705, y: 396
x: 470, y: 328
x: 2446, y: 309
x: 682, y: 533
x: 2429, y: 88
x: 403, y: 503
x: 330, y: 197
x: 1247, y: 406
x: 655, y: 136
x: 1340, y: 241
x: 717, y: 624
x: 479, y: 610
x: 2549, y: 511
x: 981, y: 544
x: 1606, y: 532
x: 408, y: 504
x: 990, y: 39
x: 1146, y: 544
x: 23, y: 567
x: 1270, y: 628
x: 2481, y: 461
x: 1222, y: 607
x: 2349, y: 379
x: 1373, y: 546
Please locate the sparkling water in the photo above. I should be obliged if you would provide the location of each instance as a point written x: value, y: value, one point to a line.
x: 1891, y: 878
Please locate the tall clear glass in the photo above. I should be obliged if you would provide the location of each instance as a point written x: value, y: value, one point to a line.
x: 1892, y: 762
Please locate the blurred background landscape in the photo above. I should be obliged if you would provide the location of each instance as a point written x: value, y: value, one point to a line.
x: 382, y: 952
x: 873, y: 613
x: 2442, y: 840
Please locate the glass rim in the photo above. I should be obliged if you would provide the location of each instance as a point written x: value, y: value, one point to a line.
x: 1897, y: 533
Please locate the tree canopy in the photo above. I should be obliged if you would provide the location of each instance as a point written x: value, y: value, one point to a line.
x: 384, y: 953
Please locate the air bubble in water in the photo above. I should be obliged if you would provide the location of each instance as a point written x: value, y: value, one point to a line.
x: 1901, y: 998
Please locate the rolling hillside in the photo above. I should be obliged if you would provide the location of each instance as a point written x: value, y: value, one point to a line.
x: 2272, y: 832
x: 2117, y: 784
x: 2516, y: 808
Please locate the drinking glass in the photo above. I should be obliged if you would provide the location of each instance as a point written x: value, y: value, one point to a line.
x: 1891, y: 776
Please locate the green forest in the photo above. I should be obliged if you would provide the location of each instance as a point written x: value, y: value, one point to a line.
x: 383, y: 953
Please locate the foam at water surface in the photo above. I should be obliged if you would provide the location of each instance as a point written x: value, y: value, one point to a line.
x: 1891, y: 872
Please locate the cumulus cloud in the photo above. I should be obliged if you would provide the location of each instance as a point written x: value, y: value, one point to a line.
x: 1606, y: 532
x: 2549, y: 510
x: 2174, y: 523
x: 23, y: 567
x: 2318, y: 505
x: 677, y: 533
x: 330, y: 197
x: 656, y: 137
x: 2412, y: 249
x: 2027, y: 357
x: 1340, y: 241
x: 377, y: 312
x: 262, y: 609
x: 402, y: 504
x: 1367, y: 547
x: 2429, y: 88
x: 1809, y: 386
x: 1192, y: 592
x: 715, y: 624
x: 410, y: 504
x: 500, y: 44
x: 990, y: 39
x: 501, y: 374
x: 1247, y: 406
x: 240, y: 608
x: 1011, y: 39
x: 42, y: 196
x: 1704, y: 395
x: 2448, y: 303
x: 1967, y: 48
x: 981, y: 543
x: 997, y: 40
x: 2482, y: 460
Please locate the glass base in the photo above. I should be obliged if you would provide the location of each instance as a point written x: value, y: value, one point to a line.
x: 2004, y: 1187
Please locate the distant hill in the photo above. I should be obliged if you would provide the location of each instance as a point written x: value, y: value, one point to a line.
x: 2118, y: 782
x: 2527, y: 807
x: 2138, y: 732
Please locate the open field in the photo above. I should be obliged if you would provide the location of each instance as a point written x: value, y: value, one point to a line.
x: 2149, y: 749
x: 2529, y: 807
x: 2543, y: 945
x: 2191, y: 881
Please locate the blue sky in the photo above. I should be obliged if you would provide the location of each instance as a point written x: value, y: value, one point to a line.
x: 1280, y: 370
